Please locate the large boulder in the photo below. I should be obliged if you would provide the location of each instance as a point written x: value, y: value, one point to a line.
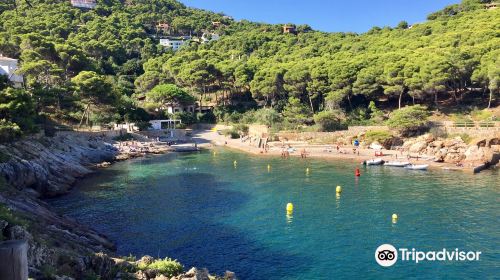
x: 418, y: 147
x: 479, y: 155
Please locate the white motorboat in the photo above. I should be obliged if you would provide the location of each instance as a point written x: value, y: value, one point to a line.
x: 377, y: 161
x: 417, y: 166
x: 397, y: 163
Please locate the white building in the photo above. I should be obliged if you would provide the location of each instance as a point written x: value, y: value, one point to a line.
x: 175, y: 43
x: 85, y: 4
x: 164, y: 124
x: 179, y: 108
x: 208, y: 37
x: 8, y: 66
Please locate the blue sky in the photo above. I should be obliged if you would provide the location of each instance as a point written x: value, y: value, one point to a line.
x: 324, y: 15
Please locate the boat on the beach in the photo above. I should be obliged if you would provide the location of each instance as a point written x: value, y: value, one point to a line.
x: 377, y: 161
x: 397, y: 163
x: 417, y: 166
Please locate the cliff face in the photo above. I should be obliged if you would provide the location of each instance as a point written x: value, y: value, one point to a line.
x: 48, y: 167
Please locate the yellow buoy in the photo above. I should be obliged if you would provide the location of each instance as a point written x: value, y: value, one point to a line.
x: 235, y: 163
x: 289, y: 208
x: 215, y: 153
x: 307, y: 171
x: 339, y: 189
x: 394, y: 218
x: 268, y: 167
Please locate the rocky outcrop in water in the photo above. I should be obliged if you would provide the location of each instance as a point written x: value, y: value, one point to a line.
x: 60, y: 247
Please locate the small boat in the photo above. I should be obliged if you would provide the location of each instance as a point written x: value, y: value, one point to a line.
x: 185, y: 148
x: 417, y: 166
x: 397, y: 163
x: 377, y: 161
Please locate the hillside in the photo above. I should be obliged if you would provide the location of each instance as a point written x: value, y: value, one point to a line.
x: 94, y: 66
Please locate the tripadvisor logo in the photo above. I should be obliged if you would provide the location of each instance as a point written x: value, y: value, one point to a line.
x: 387, y: 255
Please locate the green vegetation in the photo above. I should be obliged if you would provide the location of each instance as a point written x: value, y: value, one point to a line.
x: 464, y: 136
x: 379, y: 136
x: 106, y: 65
x: 8, y: 215
x: 330, y: 120
x: 167, y: 267
x: 409, y: 120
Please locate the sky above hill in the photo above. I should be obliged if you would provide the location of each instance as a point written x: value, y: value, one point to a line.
x: 326, y: 15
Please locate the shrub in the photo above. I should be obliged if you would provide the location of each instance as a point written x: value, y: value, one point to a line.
x: 233, y: 117
x: 330, y: 120
x: 464, y: 136
x: 186, y: 118
x: 267, y: 116
x: 167, y: 267
x: 481, y: 115
x: 231, y: 133
x: 248, y: 117
x: 9, y: 131
x: 7, y: 215
x: 380, y: 136
x: 207, y: 117
x: 410, y: 120
x: 143, y: 125
x: 241, y: 128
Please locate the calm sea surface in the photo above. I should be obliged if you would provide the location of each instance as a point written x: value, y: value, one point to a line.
x: 200, y: 209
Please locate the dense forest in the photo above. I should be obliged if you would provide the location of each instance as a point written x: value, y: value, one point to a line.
x: 105, y: 65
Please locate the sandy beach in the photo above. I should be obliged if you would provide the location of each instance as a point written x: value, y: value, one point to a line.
x: 209, y: 138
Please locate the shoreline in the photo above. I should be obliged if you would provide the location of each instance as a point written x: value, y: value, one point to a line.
x: 320, y: 152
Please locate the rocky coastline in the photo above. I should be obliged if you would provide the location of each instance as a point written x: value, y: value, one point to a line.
x: 59, y: 247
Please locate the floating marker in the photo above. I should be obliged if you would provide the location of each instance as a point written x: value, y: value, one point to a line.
x: 339, y: 189
x: 289, y: 208
x: 307, y: 171
x: 357, y: 173
x: 394, y: 218
x: 235, y: 163
x: 215, y: 153
x: 268, y: 167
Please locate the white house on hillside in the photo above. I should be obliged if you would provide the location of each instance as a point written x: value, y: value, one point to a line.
x: 175, y: 43
x: 8, y: 67
x: 85, y: 4
x: 173, y: 108
x: 208, y: 37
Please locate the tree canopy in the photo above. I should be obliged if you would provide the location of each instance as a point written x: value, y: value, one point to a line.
x: 109, y: 57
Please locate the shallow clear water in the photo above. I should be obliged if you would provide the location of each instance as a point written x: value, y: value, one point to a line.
x: 201, y: 210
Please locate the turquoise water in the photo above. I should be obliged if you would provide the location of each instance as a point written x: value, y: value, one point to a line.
x: 201, y: 210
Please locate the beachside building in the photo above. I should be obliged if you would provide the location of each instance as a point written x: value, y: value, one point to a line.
x: 175, y: 43
x: 164, y: 124
x: 173, y: 108
x: 85, y: 4
x: 8, y: 67
x: 289, y: 28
